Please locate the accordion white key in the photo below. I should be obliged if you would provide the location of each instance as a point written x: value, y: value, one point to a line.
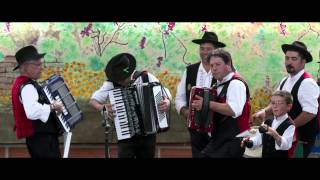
x: 136, y: 110
x: 55, y: 89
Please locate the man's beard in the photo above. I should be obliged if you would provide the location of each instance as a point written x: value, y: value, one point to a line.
x: 290, y: 69
x: 204, y: 58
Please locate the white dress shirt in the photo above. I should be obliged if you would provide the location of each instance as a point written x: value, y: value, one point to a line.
x: 286, y: 138
x: 101, y: 95
x: 34, y: 110
x: 308, y: 92
x: 236, y: 94
x: 204, y: 79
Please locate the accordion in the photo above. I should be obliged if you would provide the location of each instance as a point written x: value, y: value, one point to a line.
x: 136, y: 110
x: 201, y: 120
x: 55, y: 89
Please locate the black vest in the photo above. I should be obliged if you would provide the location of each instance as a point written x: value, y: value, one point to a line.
x: 191, y: 79
x: 268, y: 142
x: 308, y: 131
x: 52, y: 125
x: 226, y: 124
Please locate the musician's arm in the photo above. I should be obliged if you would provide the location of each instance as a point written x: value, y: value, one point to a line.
x: 181, y: 102
x: 96, y: 104
x: 221, y: 108
x: 34, y: 110
x: 236, y: 98
x: 100, y: 96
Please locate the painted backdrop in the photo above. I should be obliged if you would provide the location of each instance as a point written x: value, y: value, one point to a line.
x: 79, y: 51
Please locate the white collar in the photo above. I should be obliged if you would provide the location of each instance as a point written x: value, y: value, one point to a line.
x: 297, y: 76
x: 226, y: 78
x: 281, y: 118
x: 201, y: 69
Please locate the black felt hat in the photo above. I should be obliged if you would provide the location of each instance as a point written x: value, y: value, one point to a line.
x: 210, y: 37
x: 120, y: 67
x: 299, y: 47
x: 27, y: 53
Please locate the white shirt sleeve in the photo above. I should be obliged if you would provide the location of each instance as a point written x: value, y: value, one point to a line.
x: 102, y: 94
x: 181, y: 93
x: 236, y: 97
x: 308, y: 94
x: 286, y: 139
x: 34, y: 110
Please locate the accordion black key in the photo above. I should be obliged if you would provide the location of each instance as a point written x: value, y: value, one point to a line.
x: 136, y: 110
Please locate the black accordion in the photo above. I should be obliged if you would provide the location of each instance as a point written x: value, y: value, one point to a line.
x: 55, y: 89
x: 136, y: 110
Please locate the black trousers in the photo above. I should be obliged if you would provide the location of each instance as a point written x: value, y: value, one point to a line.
x: 228, y: 148
x: 43, y: 145
x: 137, y: 147
x: 199, y: 141
x: 223, y: 142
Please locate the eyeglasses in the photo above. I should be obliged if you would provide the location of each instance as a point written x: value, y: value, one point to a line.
x: 277, y: 103
x: 36, y: 64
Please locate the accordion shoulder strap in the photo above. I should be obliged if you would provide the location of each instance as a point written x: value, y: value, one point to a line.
x: 27, y: 83
x: 143, y: 74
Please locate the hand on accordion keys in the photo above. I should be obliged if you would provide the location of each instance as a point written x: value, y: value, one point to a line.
x: 56, y: 106
x: 197, y: 103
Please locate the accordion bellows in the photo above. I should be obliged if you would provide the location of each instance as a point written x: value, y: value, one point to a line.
x: 136, y: 110
x: 201, y: 120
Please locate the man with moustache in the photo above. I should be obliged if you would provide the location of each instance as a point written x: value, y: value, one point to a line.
x: 197, y: 74
x: 305, y: 92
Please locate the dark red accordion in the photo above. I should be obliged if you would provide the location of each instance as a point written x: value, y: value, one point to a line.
x: 201, y: 120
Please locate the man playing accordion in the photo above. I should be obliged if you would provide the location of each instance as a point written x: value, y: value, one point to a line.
x: 120, y: 72
x: 198, y: 74
x: 231, y: 108
x: 33, y: 114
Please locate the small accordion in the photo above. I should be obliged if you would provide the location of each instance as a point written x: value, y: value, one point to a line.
x: 201, y: 120
x: 55, y: 89
x: 136, y: 110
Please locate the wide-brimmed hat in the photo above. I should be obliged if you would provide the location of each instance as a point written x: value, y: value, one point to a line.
x: 210, y: 37
x: 299, y: 47
x: 27, y: 53
x: 120, y: 67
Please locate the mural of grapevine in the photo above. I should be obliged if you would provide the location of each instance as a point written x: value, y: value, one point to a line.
x: 80, y: 51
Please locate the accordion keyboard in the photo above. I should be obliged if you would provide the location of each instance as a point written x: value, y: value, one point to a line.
x: 64, y: 112
x: 121, y: 119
